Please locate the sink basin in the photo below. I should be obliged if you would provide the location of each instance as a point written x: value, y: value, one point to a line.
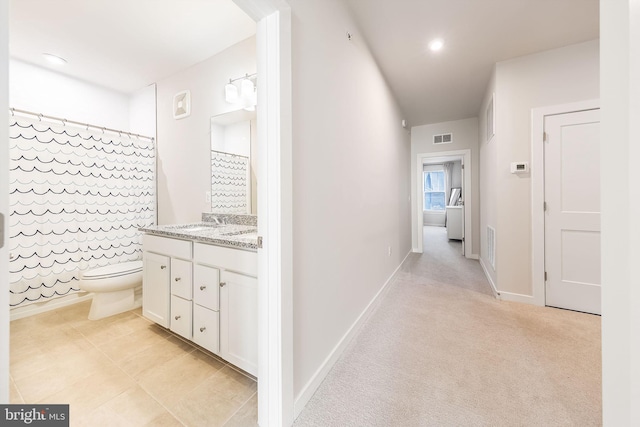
x: 194, y: 227
x: 242, y: 233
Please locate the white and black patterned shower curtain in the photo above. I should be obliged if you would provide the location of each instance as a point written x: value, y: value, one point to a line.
x: 77, y: 198
x: 229, y: 183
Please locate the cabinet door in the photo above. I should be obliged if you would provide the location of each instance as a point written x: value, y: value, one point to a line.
x: 239, y: 320
x: 206, y: 328
x: 155, y: 288
x: 206, y: 282
x: 181, y: 278
x: 181, y: 316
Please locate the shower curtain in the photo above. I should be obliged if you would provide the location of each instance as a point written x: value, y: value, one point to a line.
x: 229, y: 183
x: 77, y: 198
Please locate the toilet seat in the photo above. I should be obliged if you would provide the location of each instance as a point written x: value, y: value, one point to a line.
x: 113, y: 270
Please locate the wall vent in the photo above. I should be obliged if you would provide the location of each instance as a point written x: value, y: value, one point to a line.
x: 445, y: 138
x: 491, y: 246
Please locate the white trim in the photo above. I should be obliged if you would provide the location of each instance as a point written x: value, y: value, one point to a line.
x: 489, y: 279
x: 316, y: 379
x: 43, y: 307
x: 4, y: 200
x: 468, y: 204
x: 474, y: 256
x: 512, y: 297
x: 275, y: 266
x: 537, y: 191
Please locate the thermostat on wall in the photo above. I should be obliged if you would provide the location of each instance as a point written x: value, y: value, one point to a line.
x: 520, y: 167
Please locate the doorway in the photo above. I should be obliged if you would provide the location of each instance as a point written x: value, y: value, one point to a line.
x: 442, y: 201
x: 432, y: 217
x: 566, y: 228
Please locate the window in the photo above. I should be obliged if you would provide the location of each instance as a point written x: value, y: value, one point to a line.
x: 434, y: 199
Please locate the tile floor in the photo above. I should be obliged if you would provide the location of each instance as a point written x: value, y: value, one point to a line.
x: 124, y: 371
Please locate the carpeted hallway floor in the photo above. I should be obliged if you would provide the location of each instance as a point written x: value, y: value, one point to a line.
x: 442, y: 351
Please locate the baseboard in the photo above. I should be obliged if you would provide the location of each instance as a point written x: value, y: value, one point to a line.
x: 312, y: 385
x: 42, y: 307
x: 489, y: 279
x: 509, y: 296
x: 506, y: 296
x: 473, y: 256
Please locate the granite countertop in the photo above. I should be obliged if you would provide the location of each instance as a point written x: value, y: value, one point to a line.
x: 233, y: 235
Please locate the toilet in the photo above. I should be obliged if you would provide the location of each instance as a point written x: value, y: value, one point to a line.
x: 113, y: 287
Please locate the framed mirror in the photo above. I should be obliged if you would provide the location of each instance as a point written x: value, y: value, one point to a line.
x: 233, y: 175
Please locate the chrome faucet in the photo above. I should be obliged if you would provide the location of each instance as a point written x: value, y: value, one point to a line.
x: 219, y: 221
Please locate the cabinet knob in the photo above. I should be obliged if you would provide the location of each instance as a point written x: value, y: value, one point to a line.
x: 223, y: 284
x: 203, y: 287
x: 162, y: 267
x: 177, y: 279
x: 177, y: 317
x: 202, y: 329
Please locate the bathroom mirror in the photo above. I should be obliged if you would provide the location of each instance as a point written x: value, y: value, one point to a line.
x: 233, y: 175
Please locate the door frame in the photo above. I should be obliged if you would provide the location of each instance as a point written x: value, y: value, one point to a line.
x: 4, y: 199
x: 537, y: 188
x: 275, y: 208
x: 468, y: 230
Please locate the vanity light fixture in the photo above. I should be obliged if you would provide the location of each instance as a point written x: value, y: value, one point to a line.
x: 54, y: 59
x: 245, y: 96
x: 436, y: 45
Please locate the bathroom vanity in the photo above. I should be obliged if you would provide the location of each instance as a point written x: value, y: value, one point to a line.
x: 200, y: 281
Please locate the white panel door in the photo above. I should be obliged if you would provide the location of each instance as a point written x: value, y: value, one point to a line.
x: 572, y: 217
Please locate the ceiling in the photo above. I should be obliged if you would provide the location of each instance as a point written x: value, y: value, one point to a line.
x: 128, y: 44
x: 449, y: 85
x: 124, y: 45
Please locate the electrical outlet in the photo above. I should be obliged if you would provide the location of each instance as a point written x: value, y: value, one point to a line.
x: 207, y: 196
x: 389, y: 250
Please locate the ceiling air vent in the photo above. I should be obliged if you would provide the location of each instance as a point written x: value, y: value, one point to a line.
x: 445, y: 138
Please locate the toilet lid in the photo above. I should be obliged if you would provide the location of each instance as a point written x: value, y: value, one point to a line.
x: 113, y: 270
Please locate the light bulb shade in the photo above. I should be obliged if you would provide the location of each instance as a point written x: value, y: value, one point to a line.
x: 247, y: 88
x: 231, y: 93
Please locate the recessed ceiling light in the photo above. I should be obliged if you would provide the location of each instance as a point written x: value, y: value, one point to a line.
x: 53, y: 59
x: 436, y: 45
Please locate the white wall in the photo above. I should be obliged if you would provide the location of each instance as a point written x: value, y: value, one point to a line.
x: 465, y: 136
x: 488, y: 181
x: 4, y: 199
x: 142, y: 111
x: 350, y: 184
x: 558, y: 76
x: 183, y: 146
x: 620, y: 68
x: 40, y: 90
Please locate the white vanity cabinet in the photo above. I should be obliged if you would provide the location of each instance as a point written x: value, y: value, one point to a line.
x: 155, y: 288
x: 237, y: 299
x: 206, y: 307
x: 166, y: 283
x: 239, y: 320
x: 206, y: 293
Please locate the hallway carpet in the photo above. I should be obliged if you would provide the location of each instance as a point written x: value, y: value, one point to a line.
x: 442, y: 351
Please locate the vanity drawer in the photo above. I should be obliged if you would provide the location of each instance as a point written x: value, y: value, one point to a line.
x: 181, y: 311
x: 244, y: 262
x: 206, y: 281
x: 181, y: 283
x: 162, y: 245
x: 206, y: 328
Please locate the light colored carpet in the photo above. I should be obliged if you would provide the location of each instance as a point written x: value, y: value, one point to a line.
x: 442, y: 351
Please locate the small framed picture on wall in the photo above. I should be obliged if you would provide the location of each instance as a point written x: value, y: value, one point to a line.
x: 491, y: 123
